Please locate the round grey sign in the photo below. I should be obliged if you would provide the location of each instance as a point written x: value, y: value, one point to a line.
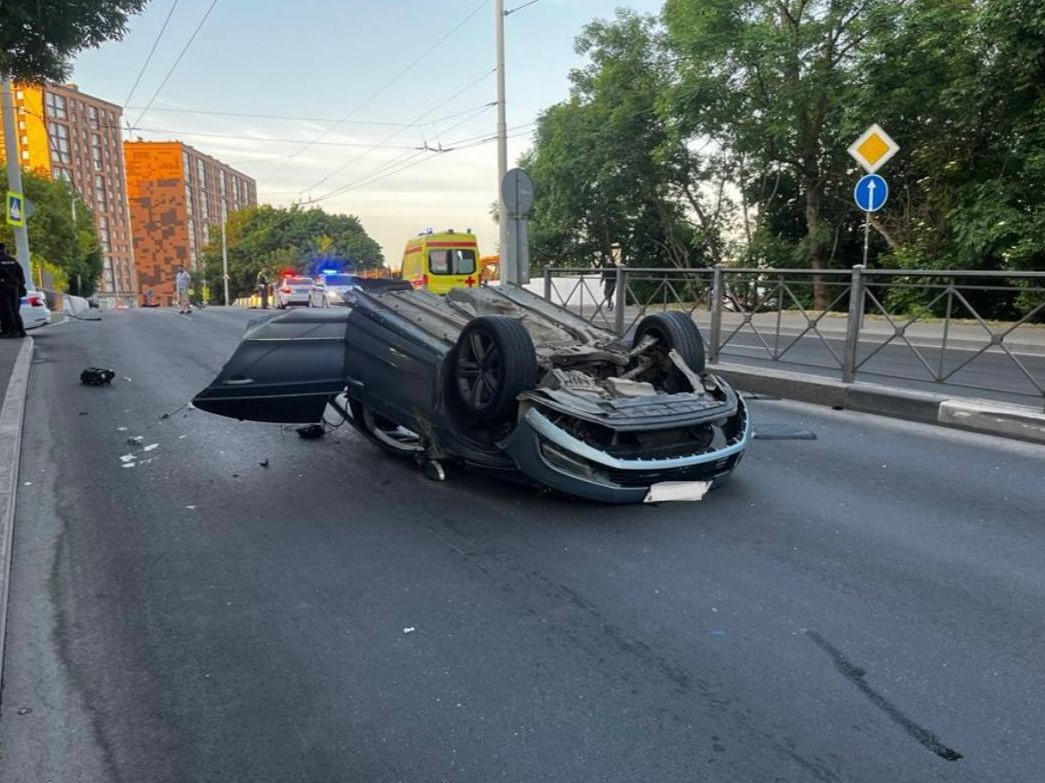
x: 517, y: 192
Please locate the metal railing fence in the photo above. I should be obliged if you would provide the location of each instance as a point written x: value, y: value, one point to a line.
x: 968, y: 329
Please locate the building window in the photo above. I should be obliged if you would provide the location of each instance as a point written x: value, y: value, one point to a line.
x: 60, y: 143
x: 96, y: 151
x: 103, y: 234
x: 56, y: 106
x: 92, y: 112
x: 99, y: 193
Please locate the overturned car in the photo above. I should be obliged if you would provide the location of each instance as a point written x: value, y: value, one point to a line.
x: 499, y: 379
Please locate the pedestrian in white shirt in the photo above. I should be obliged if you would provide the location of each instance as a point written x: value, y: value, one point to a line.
x: 181, y: 286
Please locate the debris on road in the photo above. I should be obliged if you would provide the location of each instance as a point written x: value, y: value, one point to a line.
x: 264, y: 463
x: 411, y: 629
x: 136, y: 440
x: 96, y: 376
x: 151, y: 446
x: 127, y: 458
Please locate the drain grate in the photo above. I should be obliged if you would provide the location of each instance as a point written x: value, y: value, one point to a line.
x: 774, y: 431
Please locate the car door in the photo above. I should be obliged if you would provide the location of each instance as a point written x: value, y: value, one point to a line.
x: 285, y: 369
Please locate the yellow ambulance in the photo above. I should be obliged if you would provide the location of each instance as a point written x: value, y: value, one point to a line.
x: 440, y: 261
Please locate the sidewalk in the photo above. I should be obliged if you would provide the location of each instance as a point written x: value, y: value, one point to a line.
x: 15, y: 358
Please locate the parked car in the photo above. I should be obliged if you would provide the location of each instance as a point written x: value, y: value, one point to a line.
x: 34, y: 310
x: 294, y: 291
x: 502, y: 380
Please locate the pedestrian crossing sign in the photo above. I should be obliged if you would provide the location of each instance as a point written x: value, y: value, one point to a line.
x: 15, y: 208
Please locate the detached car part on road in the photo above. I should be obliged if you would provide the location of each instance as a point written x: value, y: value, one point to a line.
x: 498, y: 378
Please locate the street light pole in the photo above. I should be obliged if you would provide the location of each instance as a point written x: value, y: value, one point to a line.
x: 502, y: 134
x: 224, y: 253
x: 14, y: 171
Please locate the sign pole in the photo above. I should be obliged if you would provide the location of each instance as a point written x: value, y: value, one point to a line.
x: 867, y: 236
x: 14, y: 172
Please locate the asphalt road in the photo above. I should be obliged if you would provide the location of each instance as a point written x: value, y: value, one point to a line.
x: 865, y: 606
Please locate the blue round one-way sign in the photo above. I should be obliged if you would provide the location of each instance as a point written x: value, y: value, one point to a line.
x: 871, y: 193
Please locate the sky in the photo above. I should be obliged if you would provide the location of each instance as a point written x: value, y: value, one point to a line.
x: 359, y: 96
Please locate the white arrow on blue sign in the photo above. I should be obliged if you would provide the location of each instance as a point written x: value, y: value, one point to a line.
x: 871, y: 193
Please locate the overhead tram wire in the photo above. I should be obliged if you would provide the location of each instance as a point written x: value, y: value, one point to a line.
x: 520, y: 7
x: 206, y: 112
x: 241, y: 137
x: 407, y: 164
x: 152, y: 51
x: 457, y: 146
x: 296, y: 118
x: 176, y: 62
x: 372, y: 172
x: 413, y: 123
x: 386, y: 85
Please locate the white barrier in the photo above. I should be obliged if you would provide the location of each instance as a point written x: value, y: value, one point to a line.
x: 75, y: 305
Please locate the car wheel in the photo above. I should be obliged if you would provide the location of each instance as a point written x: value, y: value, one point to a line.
x: 675, y: 330
x: 386, y: 433
x: 493, y: 364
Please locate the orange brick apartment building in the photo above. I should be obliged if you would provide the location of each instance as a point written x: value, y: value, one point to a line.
x: 67, y: 134
x: 175, y: 192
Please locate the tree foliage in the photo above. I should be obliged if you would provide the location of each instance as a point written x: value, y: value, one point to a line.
x: 752, y: 104
x: 608, y: 168
x: 56, y: 238
x: 37, y: 39
x: 272, y: 240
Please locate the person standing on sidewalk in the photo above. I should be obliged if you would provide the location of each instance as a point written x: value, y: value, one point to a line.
x: 609, y: 282
x: 12, y: 289
x: 181, y: 286
x: 263, y: 289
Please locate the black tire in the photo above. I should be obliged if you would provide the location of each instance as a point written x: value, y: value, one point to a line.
x: 394, y: 439
x: 492, y: 364
x: 675, y: 330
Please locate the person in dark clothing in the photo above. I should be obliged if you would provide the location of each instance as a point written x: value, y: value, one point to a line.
x: 12, y: 289
x: 609, y: 282
x: 263, y: 289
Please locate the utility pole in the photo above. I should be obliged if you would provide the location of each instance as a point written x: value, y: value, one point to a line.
x: 502, y: 135
x: 224, y: 253
x: 14, y: 172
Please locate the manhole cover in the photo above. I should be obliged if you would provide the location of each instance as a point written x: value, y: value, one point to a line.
x: 771, y: 431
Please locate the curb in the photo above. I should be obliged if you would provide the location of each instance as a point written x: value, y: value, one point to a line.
x: 994, y: 418
x: 12, y: 412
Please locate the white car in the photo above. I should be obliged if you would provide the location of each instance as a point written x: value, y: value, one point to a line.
x: 333, y: 289
x: 294, y: 291
x: 34, y: 310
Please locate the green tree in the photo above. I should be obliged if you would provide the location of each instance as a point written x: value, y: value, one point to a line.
x: 768, y: 81
x: 55, y: 237
x: 37, y: 39
x: 275, y: 239
x: 608, y: 168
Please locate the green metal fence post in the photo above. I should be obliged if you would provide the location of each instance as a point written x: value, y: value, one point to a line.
x: 856, y: 317
x: 622, y: 301
x: 717, y: 298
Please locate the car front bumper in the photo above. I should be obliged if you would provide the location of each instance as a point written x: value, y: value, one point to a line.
x: 553, y: 457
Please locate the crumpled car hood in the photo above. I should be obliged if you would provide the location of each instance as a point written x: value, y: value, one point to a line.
x: 637, y: 413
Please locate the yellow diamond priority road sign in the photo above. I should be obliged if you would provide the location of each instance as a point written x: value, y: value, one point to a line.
x: 873, y: 149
